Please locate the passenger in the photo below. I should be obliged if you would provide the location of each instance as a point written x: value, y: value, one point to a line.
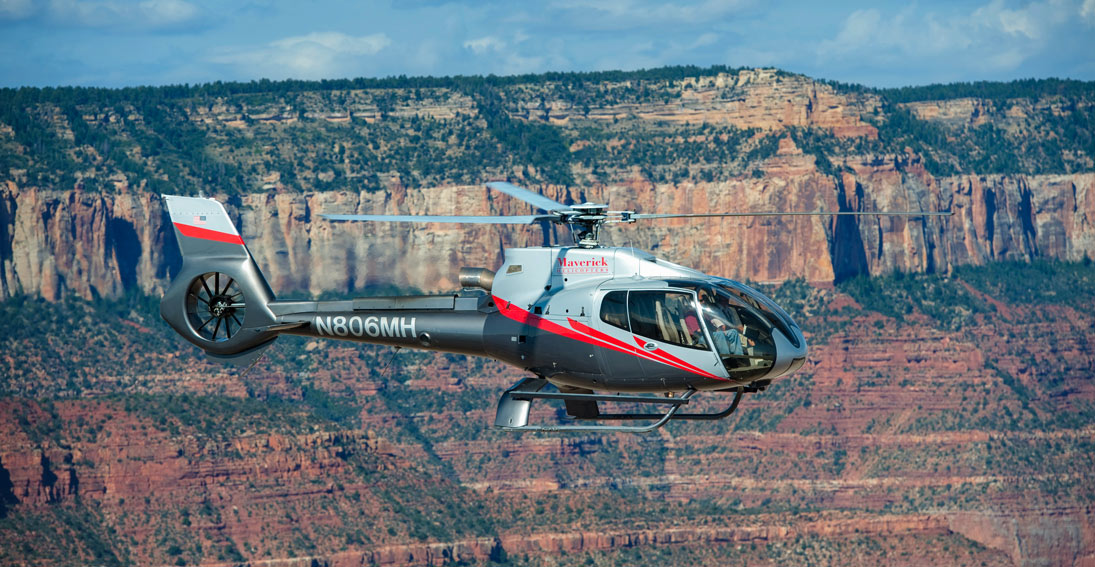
x: 683, y: 324
x: 692, y: 324
x: 704, y: 303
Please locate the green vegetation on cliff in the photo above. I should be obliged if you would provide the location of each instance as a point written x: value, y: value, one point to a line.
x: 365, y: 134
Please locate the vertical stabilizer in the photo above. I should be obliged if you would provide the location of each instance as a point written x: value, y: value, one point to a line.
x: 203, y: 228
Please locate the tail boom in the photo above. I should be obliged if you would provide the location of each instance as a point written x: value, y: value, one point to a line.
x: 440, y: 323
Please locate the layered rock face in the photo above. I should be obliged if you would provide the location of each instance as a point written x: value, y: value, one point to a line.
x: 751, y: 98
x: 694, y: 144
x: 941, y: 446
x: 99, y: 245
x: 107, y: 243
x: 955, y: 429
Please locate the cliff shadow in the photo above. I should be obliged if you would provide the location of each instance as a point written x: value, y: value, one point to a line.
x: 7, y: 491
x: 127, y: 250
x: 7, y: 219
x: 171, y: 256
x: 846, y: 249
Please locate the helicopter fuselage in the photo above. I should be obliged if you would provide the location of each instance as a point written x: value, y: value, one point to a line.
x: 598, y: 318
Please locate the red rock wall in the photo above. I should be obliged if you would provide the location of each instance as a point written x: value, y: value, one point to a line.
x: 94, y: 244
x: 868, y: 382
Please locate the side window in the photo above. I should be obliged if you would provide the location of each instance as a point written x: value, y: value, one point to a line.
x: 667, y: 316
x: 614, y: 309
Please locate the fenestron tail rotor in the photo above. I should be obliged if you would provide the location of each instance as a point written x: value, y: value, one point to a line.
x: 587, y: 218
x: 215, y: 306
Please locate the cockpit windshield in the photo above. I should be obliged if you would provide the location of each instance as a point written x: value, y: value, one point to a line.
x: 775, y: 314
x: 742, y: 337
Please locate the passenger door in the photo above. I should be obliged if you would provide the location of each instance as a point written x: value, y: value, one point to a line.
x: 620, y: 365
x: 668, y: 327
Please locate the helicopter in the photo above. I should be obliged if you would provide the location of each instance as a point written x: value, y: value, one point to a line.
x: 601, y: 324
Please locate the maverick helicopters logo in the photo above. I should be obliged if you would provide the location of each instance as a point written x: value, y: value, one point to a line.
x: 591, y: 266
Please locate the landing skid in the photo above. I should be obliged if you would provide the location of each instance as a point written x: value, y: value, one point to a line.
x: 516, y: 403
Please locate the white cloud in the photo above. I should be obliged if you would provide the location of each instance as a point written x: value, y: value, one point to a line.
x: 704, y: 40
x: 1033, y: 20
x: 484, y: 45
x: 860, y: 29
x: 868, y: 32
x: 506, y: 57
x: 86, y: 14
x: 751, y: 56
x: 146, y: 14
x: 515, y: 64
x: 1017, y: 22
x: 16, y: 9
x: 312, y: 56
x: 335, y: 43
x: 1087, y: 11
x: 517, y: 51
x: 996, y: 35
x: 167, y: 12
x: 1007, y: 59
x: 625, y: 14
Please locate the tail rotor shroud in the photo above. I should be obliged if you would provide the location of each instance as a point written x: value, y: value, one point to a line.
x: 215, y: 306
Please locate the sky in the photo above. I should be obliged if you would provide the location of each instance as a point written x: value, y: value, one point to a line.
x: 117, y: 43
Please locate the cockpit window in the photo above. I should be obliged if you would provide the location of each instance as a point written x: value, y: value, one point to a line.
x: 667, y: 316
x: 775, y: 315
x: 614, y: 309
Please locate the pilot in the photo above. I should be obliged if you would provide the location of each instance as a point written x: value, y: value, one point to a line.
x: 730, y: 337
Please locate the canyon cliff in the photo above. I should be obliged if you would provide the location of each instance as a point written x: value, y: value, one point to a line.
x: 80, y: 213
x: 944, y: 415
x: 958, y: 438
x: 100, y: 245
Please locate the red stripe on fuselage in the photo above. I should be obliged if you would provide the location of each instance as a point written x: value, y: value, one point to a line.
x: 656, y: 354
x: 206, y: 234
x: 586, y: 334
x: 526, y: 318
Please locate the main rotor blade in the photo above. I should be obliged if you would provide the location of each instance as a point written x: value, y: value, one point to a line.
x: 788, y: 213
x: 515, y: 219
x: 535, y: 199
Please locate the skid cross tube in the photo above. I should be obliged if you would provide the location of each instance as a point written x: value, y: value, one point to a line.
x: 739, y: 393
x: 600, y: 398
x: 516, y: 403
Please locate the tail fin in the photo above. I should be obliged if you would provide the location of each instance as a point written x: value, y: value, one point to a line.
x: 219, y: 301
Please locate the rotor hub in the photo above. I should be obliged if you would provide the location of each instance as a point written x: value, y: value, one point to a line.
x: 220, y: 307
